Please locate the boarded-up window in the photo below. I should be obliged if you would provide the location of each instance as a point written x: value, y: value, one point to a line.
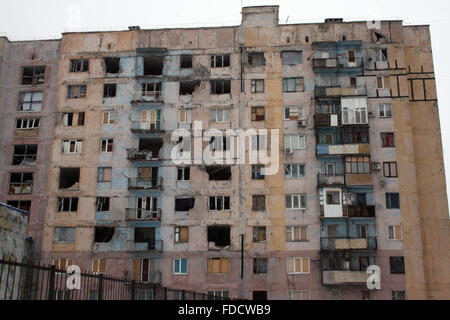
x: 218, y: 265
x: 259, y: 234
x: 259, y: 203
x: 142, y: 269
x: 98, y: 266
x: 292, y: 57
x: 62, y: 264
x: 181, y: 234
x: 104, y: 175
x: 64, y: 235
x: 298, y: 265
x: 258, y: 113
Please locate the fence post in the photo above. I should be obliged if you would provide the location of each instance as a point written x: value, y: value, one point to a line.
x: 100, y: 287
x: 133, y: 287
x: 51, y: 285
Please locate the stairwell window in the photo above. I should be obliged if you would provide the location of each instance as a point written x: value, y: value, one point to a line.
x: 219, y: 115
x: 220, y: 60
x: 296, y: 233
x: 294, y: 142
x: 219, y: 203
x: 294, y: 171
x: 293, y: 85
x: 72, y: 146
x: 387, y: 140
x: 395, y: 232
x: 298, y: 266
x: 385, y: 110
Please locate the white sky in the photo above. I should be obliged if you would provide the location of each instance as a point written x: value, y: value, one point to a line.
x: 44, y: 19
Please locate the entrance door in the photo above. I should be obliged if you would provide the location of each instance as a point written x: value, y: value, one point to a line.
x: 259, y: 295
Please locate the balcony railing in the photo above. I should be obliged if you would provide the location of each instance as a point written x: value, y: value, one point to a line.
x: 360, y: 211
x: 146, y: 127
x: 344, y: 277
x: 322, y: 64
x: 330, y: 180
x: 141, y: 214
x: 148, y: 96
x: 337, y: 91
x: 343, y: 149
x: 327, y: 120
x: 348, y: 243
x: 151, y: 245
x: 135, y: 154
x: 145, y: 183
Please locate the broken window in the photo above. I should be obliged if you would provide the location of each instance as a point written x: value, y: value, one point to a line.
x: 292, y: 57
x: 256, y: 59
x: 27, y: 123
x: 152, y: 89
x: 20, y: 204
x: 397, y: 265
x: 258, y: 113
x: 109, y: 90
x: 104, y: 174
x: 353, y: 81
x: 112, y: 65
x: 219, y: 203
x: 102, y: 204
x: 296, y: 201
x: 153, y: 65
x: 76, y: 91
x: 220, y: 60
x: 382, y: 55
x: 67, y: 204
x: 69, y: 178
x: 79, y: 65
x: 33, y: 75
x: 73, y: 119
x: 188, y: 87
x: 186, y: 61
x: 146, y: 207
x: 296, y: 233
x: 25, y: 155
x: 220, y: 235
x: 219, y: 115
x: 387, y: 140
x: 64, y: 235
x: 392, y: 201
x: 20, y: 182
x: 293, y: 85
x: 151, y: 145
x: 259, y: 203
x: 184, y: 174
x: 259, y: 234
x: 294, y: 171
x: 181, y: 234
x: 220, y: 143
x: 145, y: 234
x: 258, y: 172
x: 220, y: 86
x: 103, y: 234
x: 258, y: 86
x: 106, y: 145
x: 30, y: 101
x: 72, y: 146
x: 260, y: 266
x: 218, y: 265
x: 184, y: 204
x: 219, y: 173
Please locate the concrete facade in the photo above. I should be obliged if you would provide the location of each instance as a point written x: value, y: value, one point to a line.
x: 356, y: 98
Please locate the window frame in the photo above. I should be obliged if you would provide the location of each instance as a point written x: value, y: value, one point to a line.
x: 383, y: 110
x: 301, y: 140
x: 79, y: 65
x: 22, y: 101
x: 302, y: 199
x: 80, y: 94
x: 180, y: 260
x: 222, y: 203
x: 256, y: 86
x: 389, y: 200
x: 31, y: 123
x: 107, y: 143
x: 294, y: 264
x: 389, y: 174
x: 288, y: 167
x: 76, y: 144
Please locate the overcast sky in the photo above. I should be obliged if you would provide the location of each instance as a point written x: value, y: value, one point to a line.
x: 44, y: 19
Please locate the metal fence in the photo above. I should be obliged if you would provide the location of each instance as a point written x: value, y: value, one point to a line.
x: 29, y: 281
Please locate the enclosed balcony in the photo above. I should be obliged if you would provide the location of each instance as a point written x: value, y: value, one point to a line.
x: 328, y: 180
x: 360, y: 211
x: 337, y: 91
x: 327, y: 65
x: 343, y: 149
x: 348, y: 243
x: 327, y: 120
x: 151, y: 183
x: 344, y: 277
x: 143, y: 214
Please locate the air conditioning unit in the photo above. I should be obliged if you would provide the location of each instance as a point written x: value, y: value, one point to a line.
x: 376, y: 166
x: 301, y: 123
x: 289, y: 151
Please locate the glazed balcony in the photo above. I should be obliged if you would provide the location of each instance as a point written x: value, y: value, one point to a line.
x: 360, y: 211
x: 343, y: 149
x: 334, y: 244
x: 145, y: 183
x: 141, y: 214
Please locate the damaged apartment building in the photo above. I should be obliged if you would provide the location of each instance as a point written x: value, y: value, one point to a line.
x: 87, y: 123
